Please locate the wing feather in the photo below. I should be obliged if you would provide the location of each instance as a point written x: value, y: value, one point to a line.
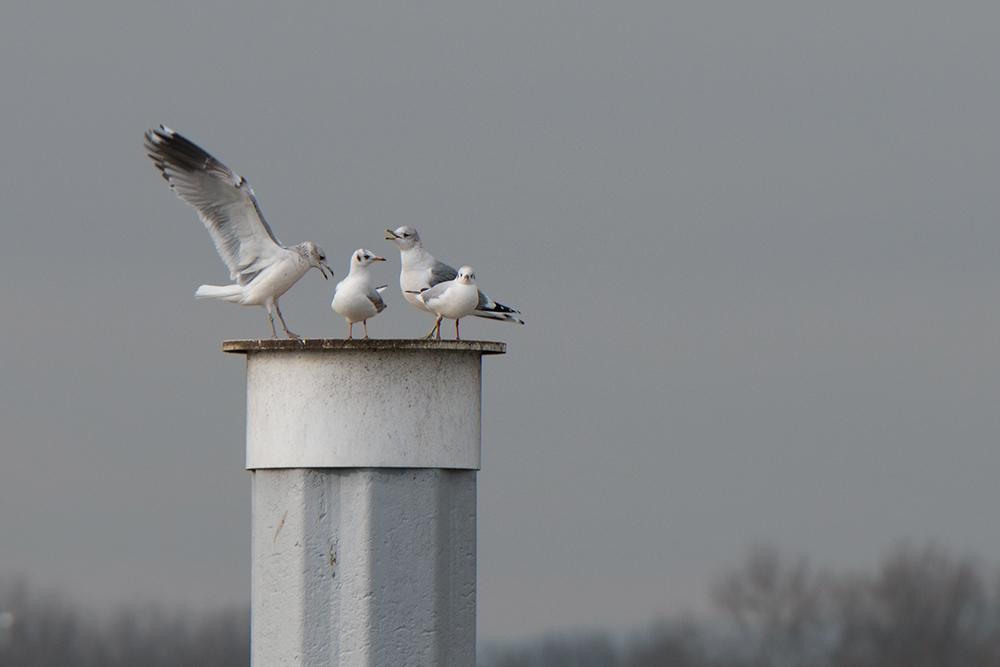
x: 224, y: 201
x: 435, y: 291
x: 492, y: 310
x: 441, y: 272
x: 376, y: 298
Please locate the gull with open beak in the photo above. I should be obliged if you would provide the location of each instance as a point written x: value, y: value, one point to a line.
x: 354, y: 297
x: 262, y: 268
x: 419, y: 271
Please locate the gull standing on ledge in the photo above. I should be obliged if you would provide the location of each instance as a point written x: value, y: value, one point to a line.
x: 354, y: 297
x: 420, y: 271
x: 453, y: 299
x: 262, y: 268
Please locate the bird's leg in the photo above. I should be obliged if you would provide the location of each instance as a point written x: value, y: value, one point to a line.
x: 283, y: 325
x: 438, y: 328
x: 456, y: 330
x: 350, y: 330
x: 431, y: 334
x: 274, y: 332
x: 365, y: 323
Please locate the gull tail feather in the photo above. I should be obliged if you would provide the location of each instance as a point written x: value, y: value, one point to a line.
x: 492, y: 310
x: 225, y: 292
x: 502, y: 317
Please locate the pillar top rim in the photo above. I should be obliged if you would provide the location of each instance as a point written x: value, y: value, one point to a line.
x: 361, y: 344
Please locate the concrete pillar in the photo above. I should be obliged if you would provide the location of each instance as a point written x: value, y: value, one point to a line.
x: 364, y: 456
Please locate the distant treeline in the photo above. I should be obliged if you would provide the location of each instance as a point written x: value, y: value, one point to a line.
x: 42, y: 630
x: 920, y: 608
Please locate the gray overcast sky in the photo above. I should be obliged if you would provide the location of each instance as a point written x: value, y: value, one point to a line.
x: 755, y: 244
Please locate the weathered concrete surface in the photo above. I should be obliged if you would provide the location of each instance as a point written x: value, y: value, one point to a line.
x: 255, y: 345
x: 364, y: 568
x: 363, y: 403
x: 364, y: 458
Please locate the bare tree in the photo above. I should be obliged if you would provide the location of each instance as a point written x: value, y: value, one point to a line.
x: 923, y: 608
x: 778, y: 609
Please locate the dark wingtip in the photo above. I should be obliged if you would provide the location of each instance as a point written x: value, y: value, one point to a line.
x: 500, y: 308
x: 169, y: 148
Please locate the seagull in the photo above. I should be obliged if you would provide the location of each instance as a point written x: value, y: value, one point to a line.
x: 453, y: 299
x: 420, y: 271
x: 262, y: 268
x: 354, y: 297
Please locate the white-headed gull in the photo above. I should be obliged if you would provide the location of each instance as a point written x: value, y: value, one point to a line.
x: 453, y: 299
x: 262, y: 268
x: 420, y: 271
x: 354, y: 297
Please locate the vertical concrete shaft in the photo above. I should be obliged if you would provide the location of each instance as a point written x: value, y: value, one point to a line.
x: 364, y: 458
x: 370, y: 566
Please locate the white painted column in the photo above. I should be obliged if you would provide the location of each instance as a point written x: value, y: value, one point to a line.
x: 364, y: 456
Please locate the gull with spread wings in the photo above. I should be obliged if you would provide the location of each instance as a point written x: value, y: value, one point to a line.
x: 262, y: 268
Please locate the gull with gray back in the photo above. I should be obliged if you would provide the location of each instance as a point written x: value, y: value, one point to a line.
x: 420, y: 271
x: 453, y: 299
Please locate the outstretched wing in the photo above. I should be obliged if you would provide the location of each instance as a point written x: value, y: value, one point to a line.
x: 224, y: 201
